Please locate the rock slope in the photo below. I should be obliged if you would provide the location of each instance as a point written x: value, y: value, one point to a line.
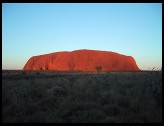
x: 85, y: 60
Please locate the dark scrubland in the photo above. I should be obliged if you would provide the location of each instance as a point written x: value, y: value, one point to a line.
x: 81, y: 97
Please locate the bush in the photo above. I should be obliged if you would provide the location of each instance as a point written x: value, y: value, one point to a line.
x: 55, y: 96
x: 98, y: 69
x: 154, y: 85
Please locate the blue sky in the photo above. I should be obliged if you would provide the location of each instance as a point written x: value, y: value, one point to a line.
x: 35, y: 29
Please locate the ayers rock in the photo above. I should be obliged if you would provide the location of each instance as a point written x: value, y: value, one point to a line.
x: 85, y: 60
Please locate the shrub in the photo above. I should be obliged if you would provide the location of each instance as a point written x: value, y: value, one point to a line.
x: 111, y: 109
x: 37, y: 73
x: 24, y: 72
x: 154, y: 84
x: 98, y: 69
x: 79, y: 97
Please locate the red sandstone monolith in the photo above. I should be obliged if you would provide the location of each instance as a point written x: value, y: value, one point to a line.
x: 85, y: 60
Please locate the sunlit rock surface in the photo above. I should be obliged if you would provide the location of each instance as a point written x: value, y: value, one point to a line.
x: 85, y: 60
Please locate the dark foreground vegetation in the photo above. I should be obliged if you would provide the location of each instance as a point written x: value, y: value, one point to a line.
x: 62, y: 97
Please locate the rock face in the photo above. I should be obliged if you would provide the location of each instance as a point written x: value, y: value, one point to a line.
x: 85, y: 60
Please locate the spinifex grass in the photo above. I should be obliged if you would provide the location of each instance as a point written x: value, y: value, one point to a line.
x: 53, y: 96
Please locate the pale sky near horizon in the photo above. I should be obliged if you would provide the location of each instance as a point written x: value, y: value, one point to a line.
x: 34, y: 29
